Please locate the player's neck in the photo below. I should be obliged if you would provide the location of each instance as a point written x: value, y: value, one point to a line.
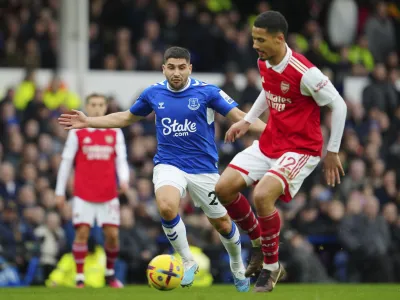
x: 276, y: 60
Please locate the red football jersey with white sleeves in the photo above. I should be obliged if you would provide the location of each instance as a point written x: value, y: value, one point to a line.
x: 99, y: 156
x: 294, y: 89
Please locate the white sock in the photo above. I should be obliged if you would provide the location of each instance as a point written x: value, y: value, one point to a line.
x: 256, y: 243
x: 110, y: 272
x: 271, y: 267
x: 80, y: 277
x: 175, y: 231
x: 231, y: 242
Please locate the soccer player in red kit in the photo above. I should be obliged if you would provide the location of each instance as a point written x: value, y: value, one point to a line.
x: 100, y: 157
x: 289, y: 149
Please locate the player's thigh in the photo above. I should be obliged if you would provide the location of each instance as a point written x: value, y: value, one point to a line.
x: 83, y: 212
x: 202, y: 191
x: 108, y: 213
x: 169, y: 185
x: 291, y: 169
x: 251, y: 163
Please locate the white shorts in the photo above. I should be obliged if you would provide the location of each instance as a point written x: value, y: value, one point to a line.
x: 290, y: 169
x: 200, y: 187
x: 105, y: 213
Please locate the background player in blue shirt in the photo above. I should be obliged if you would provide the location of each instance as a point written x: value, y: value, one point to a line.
x: 187, y: 156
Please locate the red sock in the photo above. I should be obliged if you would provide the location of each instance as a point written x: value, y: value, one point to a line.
x: 79, y: 250
x: 112, y: 255
x: 242, y: 214
x: 270, y: 228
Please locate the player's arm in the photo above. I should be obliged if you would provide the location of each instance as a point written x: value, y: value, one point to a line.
x: 78, y: 119
x: 317, y: 85
x: 238, y: 129
x: 68, y: 156
x: 236, y: 115
x: 122, y: 162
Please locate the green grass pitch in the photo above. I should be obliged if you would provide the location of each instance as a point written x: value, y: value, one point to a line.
x: 220, y: 292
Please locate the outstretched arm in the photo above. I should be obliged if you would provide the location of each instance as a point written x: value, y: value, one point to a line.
x: 79, y: 120
x: 115, y: 120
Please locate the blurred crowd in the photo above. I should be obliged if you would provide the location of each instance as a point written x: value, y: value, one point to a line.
x: 347, y: 233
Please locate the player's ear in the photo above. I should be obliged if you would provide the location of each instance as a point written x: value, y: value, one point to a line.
x: 163, y: 69
x: 280, y: 38
x: 190, y: 69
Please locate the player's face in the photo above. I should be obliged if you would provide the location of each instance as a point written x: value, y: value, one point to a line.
x: 266, y: 44
x: 177, y: 71
x: 96, y: 107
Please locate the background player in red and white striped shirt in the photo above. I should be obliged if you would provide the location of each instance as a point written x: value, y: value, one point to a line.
x: 289, y: 148
x: 100, y: 157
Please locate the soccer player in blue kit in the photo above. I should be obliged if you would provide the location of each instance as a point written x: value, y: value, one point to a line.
x: 187, y: 156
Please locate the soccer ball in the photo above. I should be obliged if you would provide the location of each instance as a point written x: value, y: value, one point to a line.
x: 165, y: 272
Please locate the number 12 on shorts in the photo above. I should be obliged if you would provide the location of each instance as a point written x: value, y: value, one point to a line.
x: 213, y: 196
x: 293, y: 162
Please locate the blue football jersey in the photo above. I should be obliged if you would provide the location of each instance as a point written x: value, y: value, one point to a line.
x: 185, y: 123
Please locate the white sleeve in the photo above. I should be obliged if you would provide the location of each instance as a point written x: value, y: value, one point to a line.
x: 259, y: 106
x: 121, y: 159
x: 339, y: 111
x: 68, y: 156
x: 317, y: 85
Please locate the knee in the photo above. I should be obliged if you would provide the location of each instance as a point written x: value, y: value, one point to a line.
x: 82, y: 234
x: 224, y: 192
x: 167, y: 210
x: 223, y: 225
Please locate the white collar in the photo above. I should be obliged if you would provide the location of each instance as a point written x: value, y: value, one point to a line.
x: 182, y: 89
x: 93, y: 129
x: 279, y: 68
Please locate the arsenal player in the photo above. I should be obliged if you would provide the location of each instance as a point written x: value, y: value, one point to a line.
x: 100, y: 157
x: 289, y: 148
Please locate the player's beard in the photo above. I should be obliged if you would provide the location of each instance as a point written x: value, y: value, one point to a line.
x: 177, y: 86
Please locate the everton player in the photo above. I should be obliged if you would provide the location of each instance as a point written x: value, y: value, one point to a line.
x: 289, y: 148
x: 187, y: 157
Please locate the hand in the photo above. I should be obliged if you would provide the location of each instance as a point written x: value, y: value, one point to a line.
x: 124, y: 186
x: 60, y: 201
x: 75, y: 120
x: 332, y: 168
x: 236, y: 131
x: 146, y: 255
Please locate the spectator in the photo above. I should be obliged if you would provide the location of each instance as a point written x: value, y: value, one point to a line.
x: 367, y: 238
x: 251, y: 91
x: 52, y: 240
x: 379, y: 93
x: 9, y: 187
x: 136, y: 248
x: 380, y: 33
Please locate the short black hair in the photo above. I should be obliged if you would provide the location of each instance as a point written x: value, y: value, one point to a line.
x: 95, y: 95
x: 272, y: 21
x: 177, y: 52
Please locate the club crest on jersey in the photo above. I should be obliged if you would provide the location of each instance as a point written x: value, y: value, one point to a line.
x: 285, y: 87
x: 194, y: 104
x: 109, y: 139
